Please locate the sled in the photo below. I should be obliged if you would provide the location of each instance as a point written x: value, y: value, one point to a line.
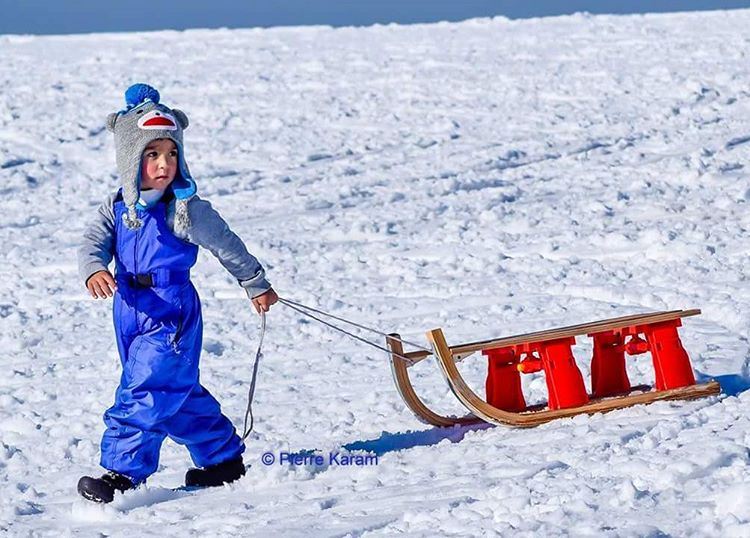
x: 550, y: 351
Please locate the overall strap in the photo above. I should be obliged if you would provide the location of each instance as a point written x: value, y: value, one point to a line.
x: 159, y: 278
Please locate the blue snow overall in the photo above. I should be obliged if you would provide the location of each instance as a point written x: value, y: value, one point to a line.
x: 159, y: 331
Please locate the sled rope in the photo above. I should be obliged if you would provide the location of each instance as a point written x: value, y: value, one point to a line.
x: 364, y: 327
x: 299, y: 308
x: 251, y: 390
x: 303, y: 309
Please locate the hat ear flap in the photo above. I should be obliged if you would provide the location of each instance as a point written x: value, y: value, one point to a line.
x: 181, y: 117
x: 111, y: 120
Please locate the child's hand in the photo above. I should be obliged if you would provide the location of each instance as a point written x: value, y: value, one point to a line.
x: 262, y: 303
x: 101, y: 285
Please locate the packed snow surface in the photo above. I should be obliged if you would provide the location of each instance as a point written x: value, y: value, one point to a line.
x: 491, y: 177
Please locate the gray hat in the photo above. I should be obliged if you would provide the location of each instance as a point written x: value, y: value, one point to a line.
x: 143, y: 121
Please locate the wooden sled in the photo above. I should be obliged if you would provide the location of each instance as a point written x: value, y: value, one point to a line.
x: 550, y: 351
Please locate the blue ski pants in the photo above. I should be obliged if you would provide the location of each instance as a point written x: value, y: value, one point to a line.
x: 159, y: 331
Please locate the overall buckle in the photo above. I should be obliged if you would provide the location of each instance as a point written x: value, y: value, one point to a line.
x: 144, y: 280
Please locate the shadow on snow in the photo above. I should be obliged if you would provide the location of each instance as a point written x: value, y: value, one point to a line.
x: 733, y: 384
x: 392, y: 442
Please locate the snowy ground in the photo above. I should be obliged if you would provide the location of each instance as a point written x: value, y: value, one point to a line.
x: 489, y: 177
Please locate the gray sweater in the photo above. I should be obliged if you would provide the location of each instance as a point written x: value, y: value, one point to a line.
x: 206, y: 229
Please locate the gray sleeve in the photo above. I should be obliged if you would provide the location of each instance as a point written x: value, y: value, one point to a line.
x: 207, y: 229
x: 97, y: 250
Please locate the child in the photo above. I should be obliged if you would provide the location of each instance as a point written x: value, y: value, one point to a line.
x: 152, y: 227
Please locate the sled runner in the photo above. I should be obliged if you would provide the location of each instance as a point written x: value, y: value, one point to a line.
x: 550, y: 351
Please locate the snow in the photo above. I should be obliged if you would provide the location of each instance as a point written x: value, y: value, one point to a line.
x: 490, y: 177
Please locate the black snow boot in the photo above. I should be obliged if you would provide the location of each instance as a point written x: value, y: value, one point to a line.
x: 102, y: 490
x: 215, y: 475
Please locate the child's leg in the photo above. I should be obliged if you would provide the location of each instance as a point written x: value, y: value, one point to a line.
x: 129, y: 450
x: 153, y: 387
x: 199, y: 423
x: 207, y: 433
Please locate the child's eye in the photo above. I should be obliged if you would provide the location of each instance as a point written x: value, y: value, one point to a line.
x: 151, y: 154
x: 173, y: 153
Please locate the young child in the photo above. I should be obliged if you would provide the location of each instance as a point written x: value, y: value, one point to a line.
x: 153, y: 227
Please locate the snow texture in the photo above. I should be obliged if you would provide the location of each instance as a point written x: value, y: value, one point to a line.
x: 491, y: 177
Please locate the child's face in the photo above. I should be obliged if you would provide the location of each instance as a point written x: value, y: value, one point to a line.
x: 158, y: 164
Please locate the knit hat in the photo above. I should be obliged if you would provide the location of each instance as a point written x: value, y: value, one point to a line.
x: 142, y: 121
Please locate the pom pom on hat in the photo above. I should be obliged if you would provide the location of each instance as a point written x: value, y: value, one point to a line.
x: 140, y: 93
